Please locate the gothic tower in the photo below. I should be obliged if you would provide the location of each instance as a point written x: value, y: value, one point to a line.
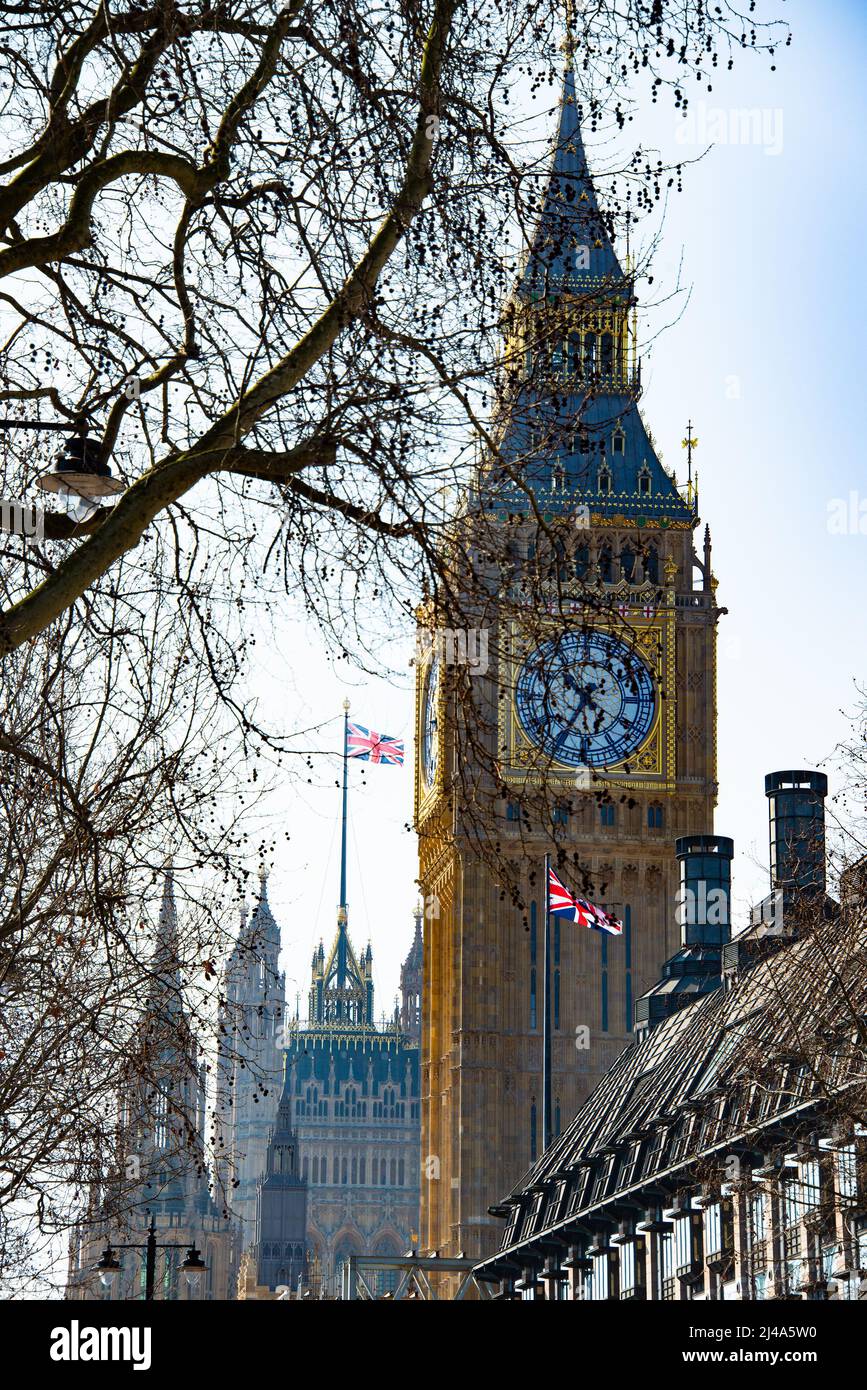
x: 162, y: 1174
x: 250, y: 1063
x: 281, y: 1220
x: 597, y: 701
x: 411, y: 973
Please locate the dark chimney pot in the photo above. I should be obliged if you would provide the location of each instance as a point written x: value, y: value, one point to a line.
x: 796, y: 806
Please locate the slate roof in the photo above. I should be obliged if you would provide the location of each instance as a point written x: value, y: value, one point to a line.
x: 734, y: 1068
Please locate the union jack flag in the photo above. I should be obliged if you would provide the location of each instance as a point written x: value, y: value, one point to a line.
x: 370, y: 747
x: 561, y: 903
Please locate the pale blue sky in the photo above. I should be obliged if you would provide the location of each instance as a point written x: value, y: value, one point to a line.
x: 767, y: 361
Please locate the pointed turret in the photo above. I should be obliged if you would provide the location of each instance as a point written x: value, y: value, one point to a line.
x: 281, y: 1218
x: 571, y: 250
x: 165, y: 995
x: 411, y: 973
x: 262, y: 922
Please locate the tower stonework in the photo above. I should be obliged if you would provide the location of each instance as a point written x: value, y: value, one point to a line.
x: 352, y: 1091
x: 161, y: 1174
x: 249, y: 1065
x: 600, y: 703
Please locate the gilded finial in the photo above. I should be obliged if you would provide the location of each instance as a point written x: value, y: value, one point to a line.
x: 346, y: 705
x: 568, y: 42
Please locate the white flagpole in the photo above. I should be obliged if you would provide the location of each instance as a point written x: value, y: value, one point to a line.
x: 546, y: 1019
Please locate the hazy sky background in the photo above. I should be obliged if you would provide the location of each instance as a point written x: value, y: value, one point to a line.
x: 767, y: 361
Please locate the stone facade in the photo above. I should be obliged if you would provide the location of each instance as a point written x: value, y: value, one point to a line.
x: 482, y: 994
x: 249, y: 1066
x: 354, y: 1091
x: 349, y: 1096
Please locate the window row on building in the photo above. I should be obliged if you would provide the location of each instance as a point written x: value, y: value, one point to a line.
x: 582, y: 356
x: 606, y: 811
x: 802, y: 1235
x: 349, y: 1105
x: 355, y: 1170
x: 793, y: 1228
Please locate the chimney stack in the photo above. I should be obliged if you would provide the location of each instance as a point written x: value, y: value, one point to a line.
x: 796, y: 809
x: 704, y: 915
x: 796, y: 806
x: 705, y: 889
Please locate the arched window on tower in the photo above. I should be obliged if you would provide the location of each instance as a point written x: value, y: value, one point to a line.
x: 644, y: 480
x: 560, y: 554
x: 607, y: 355
x: 606, y: 564
x: 651, y: 564
x: 582, y: 560
x: 574, y: 355
x: 589, y: 354
x: 627, y: 562
x: 161, y: 1126
x: 604, y: 481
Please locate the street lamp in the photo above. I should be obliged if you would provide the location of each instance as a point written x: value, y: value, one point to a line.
x: 108, y: 1268
x: 78, y: 477
x: 193, y: 1265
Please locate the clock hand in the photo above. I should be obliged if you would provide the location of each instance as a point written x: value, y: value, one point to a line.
x: 585, y: 699
x: 567, y: 728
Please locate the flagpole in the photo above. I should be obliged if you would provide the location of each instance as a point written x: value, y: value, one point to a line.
x: 341, y: 914
x: 546, y: 1018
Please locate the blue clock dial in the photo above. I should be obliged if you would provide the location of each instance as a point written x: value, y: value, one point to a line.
x: 585, y: 699
x: 430, y: 716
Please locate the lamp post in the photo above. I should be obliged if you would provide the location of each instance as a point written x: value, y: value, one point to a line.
x: 193, y: 1265
x: 78, y: 477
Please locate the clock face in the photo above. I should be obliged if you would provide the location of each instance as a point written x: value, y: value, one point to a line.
x: 430, y: 714
x: 585, y: 699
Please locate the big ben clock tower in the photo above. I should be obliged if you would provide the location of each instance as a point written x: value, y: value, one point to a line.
x: 588, y: 731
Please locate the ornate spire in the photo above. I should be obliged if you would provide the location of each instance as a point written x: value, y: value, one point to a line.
x: 571, y: 251
x: 166, y: 983
x: 411, y: 973
x: 262, y: 922
x: 567, y: 401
